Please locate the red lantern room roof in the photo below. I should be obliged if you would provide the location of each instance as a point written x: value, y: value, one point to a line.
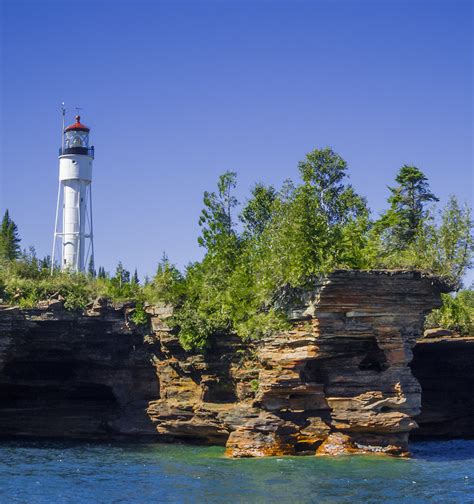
x: 77, y: 125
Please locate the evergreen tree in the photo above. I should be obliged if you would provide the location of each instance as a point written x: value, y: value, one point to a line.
x: 135, y: 278
x: 90, y: 269
x: 9, y: 239
x: 101, y: 272
x: 122, y: 275
x: 408, y: 200
x: 45, y: 263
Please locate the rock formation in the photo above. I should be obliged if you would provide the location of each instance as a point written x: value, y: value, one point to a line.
x: 73, y: 375
x: 445, y: 369
x: 338, y: 382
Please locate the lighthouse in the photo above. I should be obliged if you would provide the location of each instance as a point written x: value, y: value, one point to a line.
x: 73, y: 224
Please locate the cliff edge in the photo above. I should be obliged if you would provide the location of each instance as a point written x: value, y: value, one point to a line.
x: 338, y: 382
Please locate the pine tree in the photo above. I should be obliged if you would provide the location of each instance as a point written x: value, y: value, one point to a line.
x: 121, y: 274
x: 45, y: 263
x: 135, y: 279
x: 407, y: 207
x: 9, y: 239
x: 91, y: 270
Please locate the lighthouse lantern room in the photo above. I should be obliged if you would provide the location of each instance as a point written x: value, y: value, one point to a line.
x: 73, y: 224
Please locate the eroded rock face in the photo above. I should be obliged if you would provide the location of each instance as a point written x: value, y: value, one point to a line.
x: 445, y: 370
x: 74, y: 375
x: 339, y: 382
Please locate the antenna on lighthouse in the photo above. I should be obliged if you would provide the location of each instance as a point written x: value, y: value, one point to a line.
x: 63, y: 113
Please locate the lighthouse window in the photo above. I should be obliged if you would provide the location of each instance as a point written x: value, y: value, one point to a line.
x: 76, y: 138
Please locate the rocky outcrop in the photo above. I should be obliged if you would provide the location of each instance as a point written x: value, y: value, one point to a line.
x: 339, y: 382
x: 445, y: 369
x: 74, y: 375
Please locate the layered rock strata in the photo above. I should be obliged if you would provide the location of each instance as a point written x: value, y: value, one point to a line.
x: 74, y: 375
x: 338, y: 382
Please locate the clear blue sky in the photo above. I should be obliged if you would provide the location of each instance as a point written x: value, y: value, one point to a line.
x: 178, y: 92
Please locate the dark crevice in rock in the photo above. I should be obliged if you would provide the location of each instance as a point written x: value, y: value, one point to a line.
x: 445, y: 370
x: 375, y: 359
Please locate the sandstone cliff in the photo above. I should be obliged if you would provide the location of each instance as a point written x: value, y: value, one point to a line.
x: 338, y: 382
x: 73, y: 375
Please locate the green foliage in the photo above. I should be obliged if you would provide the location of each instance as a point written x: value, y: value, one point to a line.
x: 139, y: 316
x: 401, y: 223
x: 9, y: 239
x: 216, y: 216
x: 27, y: 280
x: 122, y: 276
x: 456, y: 314
x: 442, y: 245
x: 288, y: 236
x: 259, y: 210
x: 135, y: 278
x: 90, y: 268
x: 167, y: 285
x: 254, y: 385
x: 28, y: 291
x: 281, y: 239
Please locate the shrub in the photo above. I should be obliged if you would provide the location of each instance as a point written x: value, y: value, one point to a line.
x: 139, y: 316
x: 456, y: 314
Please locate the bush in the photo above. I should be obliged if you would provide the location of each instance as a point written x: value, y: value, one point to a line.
x: 139, y: 316
x: 456, y: 314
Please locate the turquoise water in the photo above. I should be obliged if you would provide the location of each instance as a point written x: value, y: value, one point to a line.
x: 57, y: 472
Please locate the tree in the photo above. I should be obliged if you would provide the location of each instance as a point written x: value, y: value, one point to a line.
x: 216, y: 216
x: 259, y: 209
x: 9, y: 239
x: 45, y: 263
x: 168, y: 283
x: 455, y: 240
x: 408, y: 200
x: 122, y: 275
x: 101, y: 272
x: 324, y: 172
x: 308, y: 235
x: 135, y: 278
x: 447, y: 247
x: 90, y: 269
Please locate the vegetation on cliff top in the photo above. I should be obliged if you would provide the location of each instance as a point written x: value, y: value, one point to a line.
x: 280, y: 237
x: 456, y: 314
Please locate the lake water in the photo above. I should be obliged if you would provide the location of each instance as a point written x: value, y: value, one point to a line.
x: 58, y: 472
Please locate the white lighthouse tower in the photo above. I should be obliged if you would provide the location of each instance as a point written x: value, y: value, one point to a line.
x: 74, y: 205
